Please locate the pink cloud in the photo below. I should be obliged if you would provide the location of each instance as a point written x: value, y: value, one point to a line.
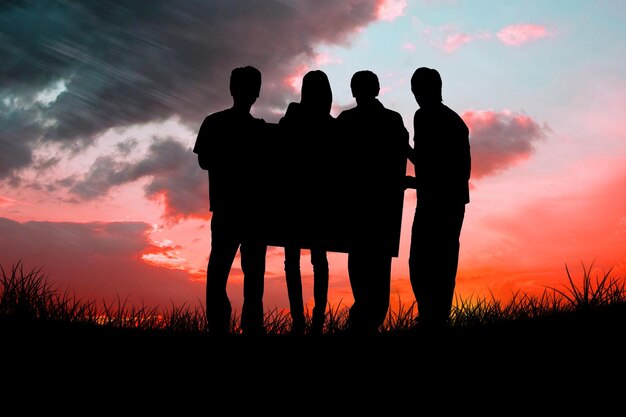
x: 520, y: 34
x: 500, y: 139
x: 7, y: 202
x: 325, y: 59
x: 294, y: 80
x: 409, y: 46
x: 389, y: 10
x: 455, y: 40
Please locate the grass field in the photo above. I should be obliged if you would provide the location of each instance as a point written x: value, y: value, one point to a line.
x: 28, y: 295
x: 28, y: 298
x: 524, y: 349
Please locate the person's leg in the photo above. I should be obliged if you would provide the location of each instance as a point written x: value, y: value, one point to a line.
x: 223, y: 250
x: 433, y: 262
x: 253, y: 267
x: 447, y: 258
x: 366, y: 277
x: 379, y: 287
x: 294, y: 288
x: 355, y: 315
x: 319, y: 260
x: 422, y: 263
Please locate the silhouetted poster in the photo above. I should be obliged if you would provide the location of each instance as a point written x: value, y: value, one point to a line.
x: 331, y: 212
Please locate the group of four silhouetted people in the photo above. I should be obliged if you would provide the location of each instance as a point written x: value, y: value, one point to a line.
x: 334, y: 184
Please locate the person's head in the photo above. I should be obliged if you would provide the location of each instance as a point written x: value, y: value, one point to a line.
x: 316, y: 93
x: 426, y: 86
x: 245, y: 85
x: 364, y: 86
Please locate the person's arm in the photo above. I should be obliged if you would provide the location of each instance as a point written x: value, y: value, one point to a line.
x: 414, y: 182
x: 467, y: 156
x: 200, y: 146
x: 409, y: 181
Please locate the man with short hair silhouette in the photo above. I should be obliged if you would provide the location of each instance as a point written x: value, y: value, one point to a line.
x: 228, y: 145
x: 308, y: 130
x: 442, y: 160
x: 378, y: 141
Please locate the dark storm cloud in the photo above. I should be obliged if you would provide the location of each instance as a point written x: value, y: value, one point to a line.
x: 128, y: 62
x: 500, y: 140
x: 126, y: 147
x: 175, y: 178
x: 18, y: 130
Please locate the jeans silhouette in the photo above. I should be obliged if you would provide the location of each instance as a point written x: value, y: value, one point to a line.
x: 434, y: 259
x: 370, y: 281
x: 226, y: 239
x: 294, y: 288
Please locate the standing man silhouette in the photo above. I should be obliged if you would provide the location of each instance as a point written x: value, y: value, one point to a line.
x: 378, y: 142
x: 442, y: 160
x: 228, y: 145
x: 308, y: 129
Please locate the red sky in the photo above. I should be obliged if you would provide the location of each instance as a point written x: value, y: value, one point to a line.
x: 99, y: 187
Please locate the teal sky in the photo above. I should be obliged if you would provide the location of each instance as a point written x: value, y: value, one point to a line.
x: 541, y: 77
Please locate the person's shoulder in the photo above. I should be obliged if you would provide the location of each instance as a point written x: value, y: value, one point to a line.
x: 454, y: 116
x: 259, y: 120
x: 392, y: 113
x: 292, y: 108
x: 217, y: 117
x: 449, y: 112
x: 393, y: 116
x: 293, y: 111
x: 347, y: 113
x: 220, y: 114
x: 419, y: 112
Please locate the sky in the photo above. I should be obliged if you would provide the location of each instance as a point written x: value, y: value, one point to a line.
x: 101, y: 102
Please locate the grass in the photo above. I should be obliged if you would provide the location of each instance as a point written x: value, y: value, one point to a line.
x: 27, y: 296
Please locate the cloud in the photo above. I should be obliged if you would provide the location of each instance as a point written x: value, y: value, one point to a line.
x: 390, y: 10
x: 72, y: 70
x: 455, y: 40
x: 517, y: 35
x: 500, y: 139
x: 294, y: 80
x: 174, y: 178
x: 97, y: 260
x: 19, y: 131
x: 326, y: 59
x: 7, y: 202
x: 449, y: 39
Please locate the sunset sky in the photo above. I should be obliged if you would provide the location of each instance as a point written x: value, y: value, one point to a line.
x: 100, y: 104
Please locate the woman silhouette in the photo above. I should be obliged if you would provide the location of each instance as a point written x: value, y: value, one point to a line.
x: 308, y: 130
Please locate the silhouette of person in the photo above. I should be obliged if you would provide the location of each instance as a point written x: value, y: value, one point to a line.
x: 442, y: 161
x: 378, y: 143
x: 227, y: 145
x: 308, y: 129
